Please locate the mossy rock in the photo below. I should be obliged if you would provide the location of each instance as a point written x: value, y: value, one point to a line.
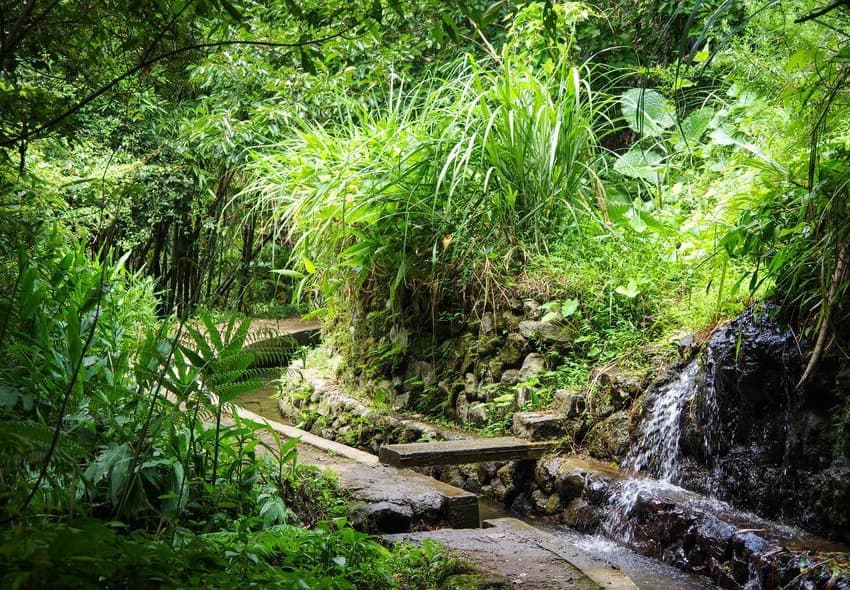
x: 609, y: 438
x: 481, y: 581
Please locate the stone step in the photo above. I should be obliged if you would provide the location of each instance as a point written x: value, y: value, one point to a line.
x: 463, y: 451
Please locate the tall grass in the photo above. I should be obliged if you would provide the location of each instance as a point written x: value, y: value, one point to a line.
x: 472, y: 166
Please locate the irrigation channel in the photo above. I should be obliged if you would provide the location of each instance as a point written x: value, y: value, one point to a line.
x: 586, y: 551
x: 648, y: 523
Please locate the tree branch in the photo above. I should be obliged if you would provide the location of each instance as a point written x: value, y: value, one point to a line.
x: 27, y: 135
x: 822, y: 11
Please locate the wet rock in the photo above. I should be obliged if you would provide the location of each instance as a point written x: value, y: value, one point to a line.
x: 546, y: 332
x: 536, y: 426
x: 609, y: 438
x: 522, y: 505
x: 472, y: 484
x: 753, y: 439
x: 581, y: 516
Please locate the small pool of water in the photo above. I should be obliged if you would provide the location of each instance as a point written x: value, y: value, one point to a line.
x: 262, y: 401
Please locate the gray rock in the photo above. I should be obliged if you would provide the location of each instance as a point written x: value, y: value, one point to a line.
x: 621, y: 385
x: 462, y: 407
x: 477, y: 415
x: 470, y: 384
x: 512, y: 351
x: 401, y: 401
x: 488, y: 324
x: 537, y: 426
x: 569, y: 404
x: 494, y: 368
x: 599, y: 404
x: 510, y: 377
x: 532, y: 365
x: 531, y: 309
x: 523, y: 395
x: 425, y: 371
x: 546, y: 332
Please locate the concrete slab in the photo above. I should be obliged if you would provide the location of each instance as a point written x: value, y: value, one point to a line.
x: 402, y: 493
x: 458, y: 452
x: 530, y: 558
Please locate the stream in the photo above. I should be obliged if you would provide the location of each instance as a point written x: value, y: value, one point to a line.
x: 585, y: 551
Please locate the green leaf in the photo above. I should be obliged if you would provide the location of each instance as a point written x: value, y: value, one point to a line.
x: 286, y: 272
x: 631, y: 290
x: 647, y: 111
x: 641, y: 164
x: 637, y: 223
x: 308, y: 265
x: 569, y: 307
x: 695, y: 125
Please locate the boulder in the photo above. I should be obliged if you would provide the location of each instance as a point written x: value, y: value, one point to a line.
x: 488, y: 324
x: 569, y: 404
x: 581, y: 516
x: 546, y: 333
x: 510, y: 377
x: 477, y: 415
x: 608, y: 439
x: 531, y: 309
x: 620, y: 384
x: 532, y: 365
x: 513, y: 348
x: 536, y: 426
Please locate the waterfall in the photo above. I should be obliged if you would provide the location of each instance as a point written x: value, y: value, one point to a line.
x: 657, y: 451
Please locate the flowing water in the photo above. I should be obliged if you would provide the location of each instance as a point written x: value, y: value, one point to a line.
x: 596, y: 552
x: 657, y: 453
x: 658, y: 449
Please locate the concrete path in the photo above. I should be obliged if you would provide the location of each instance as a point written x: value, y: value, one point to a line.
x: 529, y: 558
x: 387, y: 499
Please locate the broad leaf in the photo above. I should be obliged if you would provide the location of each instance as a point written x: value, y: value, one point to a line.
x: 647, y: 111
x: 643, y: 164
